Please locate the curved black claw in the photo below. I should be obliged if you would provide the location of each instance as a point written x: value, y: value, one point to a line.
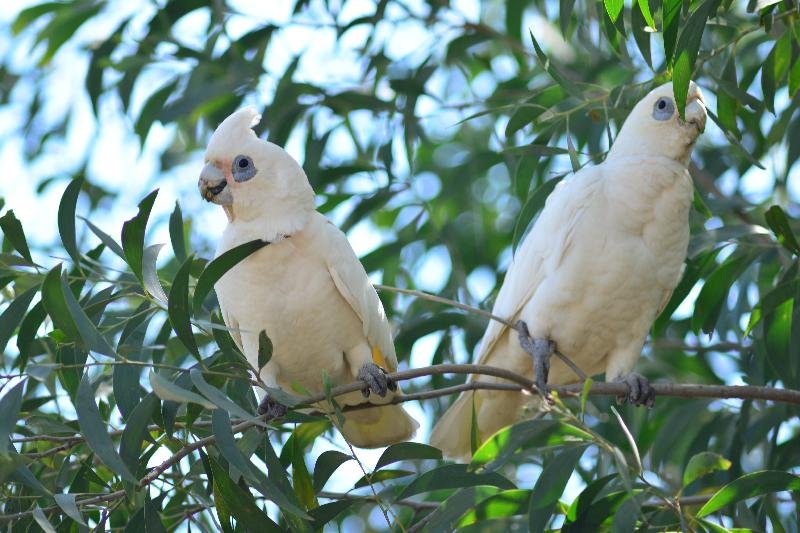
x: 271, y: 409
x: 639, y: 390
x: 376, y: 380
x: 540, y: 350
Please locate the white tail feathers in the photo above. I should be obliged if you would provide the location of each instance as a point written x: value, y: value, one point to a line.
x: 452, y: 432
x: 378, y: 426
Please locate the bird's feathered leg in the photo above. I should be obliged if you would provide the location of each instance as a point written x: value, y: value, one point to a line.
x: 271, y: 409
x: 541, y: 350
x: 375, y: 380
x: 639, y: 390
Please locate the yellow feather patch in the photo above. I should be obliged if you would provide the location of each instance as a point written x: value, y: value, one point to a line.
x: 377, y: 357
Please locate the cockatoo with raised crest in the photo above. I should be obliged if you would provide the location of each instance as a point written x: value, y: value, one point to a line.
x: 306, y: 289
x: 597, y: 267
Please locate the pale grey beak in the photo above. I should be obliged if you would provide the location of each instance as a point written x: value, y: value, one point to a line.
x: 213, y: 186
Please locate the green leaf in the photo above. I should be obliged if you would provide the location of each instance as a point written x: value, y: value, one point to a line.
x: 10, y: 404
x: 29, y: 15
x: 406, y: 451
x: 221, y: 425
x: 66, y: 219
x: 686, y: 51
x: 303, y: 486
x: 504, y: 503
x: 533, y: 205
x: 327, y: 512
x: 644, y: 7
x: 178, y: 307
x: 105, y: 238
x: 13, y: 314
x: 613, y: 8
x: 727, y: 104
x: 554, y: 73
x: 67, y: 504
x: 749, y: 486
x: 133, y: 235
x: 130, y: 445
x: 702, y: 464
x: 794, y: 78
x: 239, y: 503
x: 671, y: 10
x: 453, y: 476
x: 152, y: 520
x: 219, y: 398
x: 12, y: 229
x: 151, y: 110
x: 642, y: 29
x: 550, y: 486
x: 92, y: 338
x: 500, y: 447
x: 445, y: 517
x: 264, y: 349
x: 215, y: 269
x: 41, y: 519
x: 733, y: 140
x: 63, y: 26
x: 95, y: 430
x: 779, y: 224
x: 715, y: 290
x: 150, y: 280
x: 167, y: 390
x: 381, y: 476
x: 176, y: 234
x: 326, y: 465
x: 54, y: 302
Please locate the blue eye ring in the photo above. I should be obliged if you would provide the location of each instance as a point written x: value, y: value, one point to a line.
x: 663, y: 109
x: 243, y: 168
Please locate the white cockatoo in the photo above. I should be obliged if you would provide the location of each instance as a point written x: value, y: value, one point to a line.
x: 306, y: 289
x: 597, y: 267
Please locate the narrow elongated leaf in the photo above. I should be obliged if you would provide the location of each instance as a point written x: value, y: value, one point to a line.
x: 303, y: 486
x: 151, y: 109
x: 54, y: 302
x: 12, y: 316
x: 504, y: 503
x: 326, y: 465
x: 779, y: 224
x: 176, y: 234
x: 445, y: 517
x: 95, y: 430
x: 66, y: 219
x: 642, y: 30
x: 178, y: 307
x: 686, y: 51
x: 613, y: 8
x: 221, y: 425
x: 217, y: 268
x: 327, y: 512
x: 550, y: 486
x: 133, y: 235
x: 453, y: 476
x: 405, y: 451
x: 167, y: 390
x: 10, y: 404
x: 702, y: 464
x: 715, y: 289
x: 67, y: 504
x: 105, y: 238
x: 218, y: 397
x: 150, y: 273
x: 12, y: 229
x: 264, y: 349
x: 152, y: 520
x: 42, y: 520
x: 671, y: 10
x: 239, y: 502
x: 748, y: 486
x: 130, y: 445
x: 92, y: 338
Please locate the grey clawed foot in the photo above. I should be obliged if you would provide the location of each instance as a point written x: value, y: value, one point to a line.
x: 541, y: 350
x: 271, y: 409
x: 375, y: 380
x: 639, y: 390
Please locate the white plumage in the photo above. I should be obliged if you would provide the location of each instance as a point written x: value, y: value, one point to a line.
x: 596, y: 268
x: 306, y: 289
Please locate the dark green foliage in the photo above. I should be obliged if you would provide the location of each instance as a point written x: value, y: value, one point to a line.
x: 115, y: 364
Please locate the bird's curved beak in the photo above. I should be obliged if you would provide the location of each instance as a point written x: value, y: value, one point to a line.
x: 696, y: 114
x: 213, y: 186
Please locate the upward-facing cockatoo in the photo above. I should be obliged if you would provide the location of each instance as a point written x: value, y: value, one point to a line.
x: 598, y: 265
x: 306, y: 289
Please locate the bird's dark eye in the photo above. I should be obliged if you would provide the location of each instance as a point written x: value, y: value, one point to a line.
x: 663, y: 109
x: 243, y: 168
x: 661, y: 105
